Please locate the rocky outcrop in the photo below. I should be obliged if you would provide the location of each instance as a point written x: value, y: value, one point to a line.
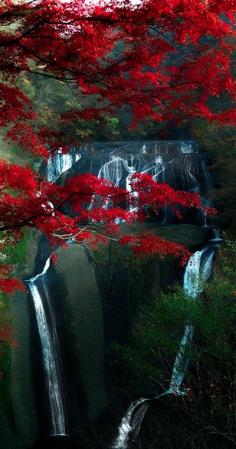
x: 95, y: 295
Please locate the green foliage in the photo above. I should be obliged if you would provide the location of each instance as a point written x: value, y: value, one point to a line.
x: 209, y: 384
x: 52, y: 97
x: 160, y: 326
x: 17, y: 254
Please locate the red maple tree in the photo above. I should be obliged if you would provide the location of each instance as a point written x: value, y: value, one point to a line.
x: 162, y: 58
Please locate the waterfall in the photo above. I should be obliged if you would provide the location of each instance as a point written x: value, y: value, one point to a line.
x: 59, y: 163
x: 195, y: 186
x: 217, y: 236
x: 197, y: 272
x: 112, y: 170
x: 186, y: 147
x: 177, y: 163
x: 49, y: 346
x: 130, y: 167
x: 130, y: 422
x: 173, y: 162
x: 56, y: 165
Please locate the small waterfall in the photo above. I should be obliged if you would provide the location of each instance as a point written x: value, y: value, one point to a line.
x: 115, y: 170
x: 131, y: 422
x: 196, y: 274
x: 173, y: 162
x: 217, y: 236
x: 195, y: 184
x: 56, y: 165
x: 160, y: 176
x: 186, y: 147
x: 159, y: 169
x: 49, y: 345
x: 59, y: 163
x: 177, y: 163
x: 112, y: 170
x: 131, y: 170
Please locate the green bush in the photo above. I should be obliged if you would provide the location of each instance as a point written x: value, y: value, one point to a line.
x: 209, y: 401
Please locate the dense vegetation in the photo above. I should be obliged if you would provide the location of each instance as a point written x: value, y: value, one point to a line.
x: 204, y: 416
x: 72, y: 73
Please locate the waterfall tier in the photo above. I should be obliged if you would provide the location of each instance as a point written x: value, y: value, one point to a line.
x: 197, y: 273
x: 176, y: 163
x: 180, y: 165
x: 60, y: 163
x: 50, y: 350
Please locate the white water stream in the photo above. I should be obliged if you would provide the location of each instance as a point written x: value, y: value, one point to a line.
x: 196, y: 274
x: 49, y: 346
x: 59, y: 163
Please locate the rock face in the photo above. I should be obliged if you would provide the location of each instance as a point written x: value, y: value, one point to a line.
x: 176, y: 163
x: 127, y: 281
x: 94, y: 295
x: 18, y: 414
x: 192, y: 236
x: 83, y: 345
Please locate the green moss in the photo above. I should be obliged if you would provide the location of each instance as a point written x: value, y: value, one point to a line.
x: 17, y: 254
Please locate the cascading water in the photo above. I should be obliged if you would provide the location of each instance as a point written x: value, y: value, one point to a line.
x: 175, y: 163
x: 160, y: 176
x: 112, y: 170
x: 186, y: 147
x: 152, y: 158
x: 59, y: 163
x: 127, y: 425
x: 49, y: 346
x: 217, y: 236
x: 115, y: 170
x: 196, y: 274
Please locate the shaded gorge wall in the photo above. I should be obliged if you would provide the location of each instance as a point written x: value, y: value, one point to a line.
x: 94, y: 296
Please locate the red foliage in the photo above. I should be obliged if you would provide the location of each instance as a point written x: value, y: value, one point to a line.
x: 54, y: 258
x: 175, y: 54
x: 151, y: 244
x: 11, y: 285
x: 26, y: 200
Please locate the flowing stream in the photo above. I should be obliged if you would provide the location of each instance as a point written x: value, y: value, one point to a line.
x: 50, y: 348
x: 197, y: 272
x: 178, y: 164
x: 59, y: 163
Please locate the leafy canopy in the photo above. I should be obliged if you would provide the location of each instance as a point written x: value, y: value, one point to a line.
x: 161, y: 59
